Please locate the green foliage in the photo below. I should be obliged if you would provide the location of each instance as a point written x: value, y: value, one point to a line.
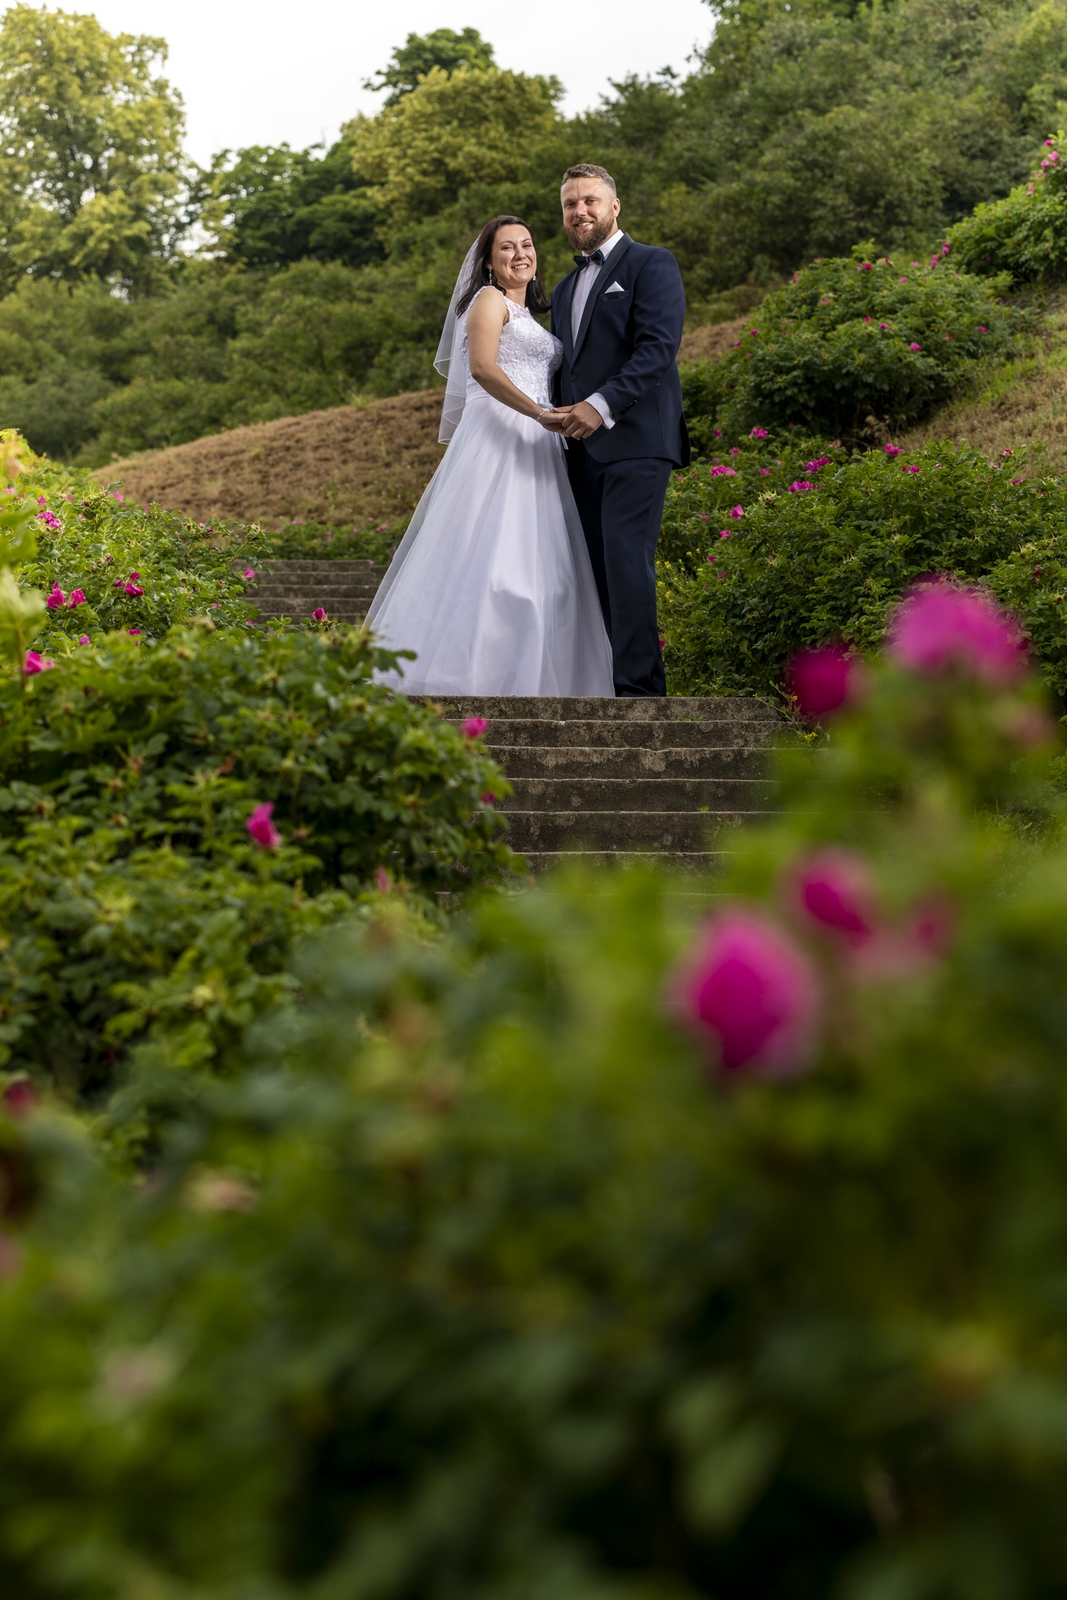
x: 139, y: 908
x: 272, y: 206
x: 828, y: 560
x: 420, y: 54
x: 92, y: 158
x: 1024, y: 235
x: 485, y: 1284
x: 852, y: 345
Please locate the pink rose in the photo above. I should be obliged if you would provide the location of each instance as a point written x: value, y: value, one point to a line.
x: 835, y: 889
x: 941, y: 624
x: 474, y: 727
x: 751, y: 995
x: 262, y: 829
x: 36, y: 663
x: 822, y: 680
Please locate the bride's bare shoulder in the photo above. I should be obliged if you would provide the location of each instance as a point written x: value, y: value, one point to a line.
x: 488, y: 309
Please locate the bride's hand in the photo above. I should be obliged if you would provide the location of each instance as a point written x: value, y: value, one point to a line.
x: 554, y: 420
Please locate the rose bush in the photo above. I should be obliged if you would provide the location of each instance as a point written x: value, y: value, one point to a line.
x: 852, y: 345
x: 809, y: 565
x: 1025, y: 234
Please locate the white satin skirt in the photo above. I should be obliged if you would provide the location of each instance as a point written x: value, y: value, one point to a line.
x: 492, y: 585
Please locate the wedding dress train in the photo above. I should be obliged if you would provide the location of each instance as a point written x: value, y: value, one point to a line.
x: 491, y: 585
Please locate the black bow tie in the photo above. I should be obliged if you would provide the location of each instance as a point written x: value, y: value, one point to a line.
x: 584, y: 261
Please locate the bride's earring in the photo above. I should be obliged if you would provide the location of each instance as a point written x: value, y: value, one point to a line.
x: 492, y: 279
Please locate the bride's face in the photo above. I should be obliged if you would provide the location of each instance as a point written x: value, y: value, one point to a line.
x: 514, y: 259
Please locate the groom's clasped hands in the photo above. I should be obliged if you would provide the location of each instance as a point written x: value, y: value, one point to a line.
x: 575, y: 422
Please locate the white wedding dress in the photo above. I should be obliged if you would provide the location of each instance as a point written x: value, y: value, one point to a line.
x: 491, y: 585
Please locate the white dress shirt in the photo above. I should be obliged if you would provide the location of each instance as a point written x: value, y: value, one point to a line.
x: 579, y: 300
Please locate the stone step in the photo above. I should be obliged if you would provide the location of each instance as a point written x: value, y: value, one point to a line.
x: 644, y: 709
x: 318, y: 569
x: 628, y: 832
x: 589, y: 734
x: 687, y: 860
x: 315, y: 586
x: 629, y: 761
x: 660, y: 795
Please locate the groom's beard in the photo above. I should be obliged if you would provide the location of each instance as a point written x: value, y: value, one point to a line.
x: 589, y: 239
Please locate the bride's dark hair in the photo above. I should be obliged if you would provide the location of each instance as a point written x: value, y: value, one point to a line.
x: 536, y: 299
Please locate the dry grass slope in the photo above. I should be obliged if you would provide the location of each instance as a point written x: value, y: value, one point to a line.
x: 337, y: 467
x: 1022, y: 403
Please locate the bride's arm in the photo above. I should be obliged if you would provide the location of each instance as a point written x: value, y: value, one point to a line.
x: 485, y: 323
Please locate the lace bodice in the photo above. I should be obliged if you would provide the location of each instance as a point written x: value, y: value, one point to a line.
x: 528, y: 353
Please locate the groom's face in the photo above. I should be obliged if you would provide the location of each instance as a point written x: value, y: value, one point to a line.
x: 589, y: 212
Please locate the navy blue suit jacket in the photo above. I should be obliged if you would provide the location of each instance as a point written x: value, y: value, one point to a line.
x: 626, y: 349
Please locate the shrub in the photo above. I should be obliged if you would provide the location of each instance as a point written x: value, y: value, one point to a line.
x: 824, y: 556
x: 1023, y: 235
x: 852, y: 343
x: 490, y: 1283
x: 139, y: 905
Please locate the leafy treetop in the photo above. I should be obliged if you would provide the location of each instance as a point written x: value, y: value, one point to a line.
x: 421, y: 53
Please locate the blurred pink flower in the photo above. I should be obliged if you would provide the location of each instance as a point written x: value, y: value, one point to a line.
x: 764, y: 472
x: 835, y: 888
x: 892, y: 450
x: 737, y: 513
x: 134, y: 633
x: 77, y: 598
x: 722, y: 472
x: 800, y: 486
x: 381, y: 878
x: 20, y: 1098
x: 474, y: 727
x: 905, y: 467
x: 318, y: 615
x: 941, y: 624
x: 488, y: 798
x: 56, y: 599
x: 724, y: 533
x: 981, y: 329
x: 752, y: 994
x: 133, y: 589
x: 758, y: 433
x: 883, y: 326
x: 914, y: 346
x: 822, y: 680
x: 36, y: 663
x: 83, y: 638
x: 249, y: 574
x: 262, y: 829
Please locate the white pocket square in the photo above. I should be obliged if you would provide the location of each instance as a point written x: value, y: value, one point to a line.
x: 615, y: 288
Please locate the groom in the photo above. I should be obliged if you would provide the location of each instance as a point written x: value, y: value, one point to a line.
x: 620, y: 315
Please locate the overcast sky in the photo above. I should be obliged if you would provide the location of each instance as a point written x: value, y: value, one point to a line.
x: 263, y: 71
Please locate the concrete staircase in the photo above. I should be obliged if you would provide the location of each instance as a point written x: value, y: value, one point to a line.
x: 344, y: 589
x: 608, y: 780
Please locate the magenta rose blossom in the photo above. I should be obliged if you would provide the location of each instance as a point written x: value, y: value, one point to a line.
x: 36, y: 663
x: 835, y: 889
x: 474, y: 727
x: 262, y: 829
x: 752, y: 994
x: 56, y: 599
x: 77, y: 598
x: 823, y: 680
x: 941, y: 625
x: 318, y: 615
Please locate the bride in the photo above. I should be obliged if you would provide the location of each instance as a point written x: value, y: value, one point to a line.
x: 491, y: 585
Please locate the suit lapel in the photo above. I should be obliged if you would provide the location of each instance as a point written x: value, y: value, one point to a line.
x: 603, y: 283
x: 561, y: 310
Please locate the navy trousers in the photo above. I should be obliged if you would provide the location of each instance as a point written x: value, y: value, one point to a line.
x: 621, y: 507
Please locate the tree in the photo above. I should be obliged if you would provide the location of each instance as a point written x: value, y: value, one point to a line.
x: 415, y: 59
x: 473, y: 127
x: 270, y: 206
x: 91, y: 158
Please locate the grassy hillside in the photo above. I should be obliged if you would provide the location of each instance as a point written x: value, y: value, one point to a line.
x: 348, y: 465
x: 1023, y: 402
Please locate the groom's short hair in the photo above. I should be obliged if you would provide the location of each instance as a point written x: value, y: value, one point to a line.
x: 585, y: 169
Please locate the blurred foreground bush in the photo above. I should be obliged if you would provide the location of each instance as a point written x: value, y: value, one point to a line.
x: 577, y: 1254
